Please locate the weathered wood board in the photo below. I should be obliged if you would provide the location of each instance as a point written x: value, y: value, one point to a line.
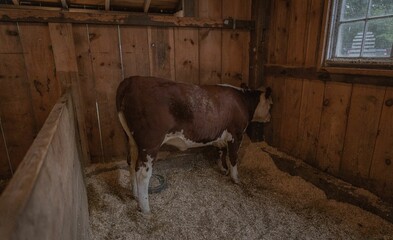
x: 361, y: 133
x: 333, y: 126
x: 235, y: 44
x: 67, y: 73
x: 187, y: 55
x: 309, y: 120
x: 134, y: 50
x: 88, y: 90
x: 162, y: 52
x: 290, y: 115
x: 16, y: 109
x: 40, y: 69
x: 49, y: 186
x: 381, y: 172
x: 105, y: 56
x: 210, y: 44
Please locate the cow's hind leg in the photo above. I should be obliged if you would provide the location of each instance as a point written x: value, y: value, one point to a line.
x: 143, y: 175
x: 222, y: 161
x: 133, y: 154
x: 233, y: 149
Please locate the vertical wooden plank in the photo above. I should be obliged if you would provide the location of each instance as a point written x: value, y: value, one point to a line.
x: 280, y: 27
x: 15, y: 110
x: 259, y: 39
x: 209, y: 8
x: 309, y: 120
x: 186, y: 55
x: 278, y: 43
x: 294, y: 87
x: 88, y: 89
x: 236, y: 44
x: 104, y: 47
x: 290, y: 114
x: 16, y: 104
x: 40, y: 67
x: 363, y: 119
x: 313, y: 90
x: 210, y: 44
x: 5, y: 170
x: 273, y: 128
x: 235, y: 57
x: 381, y: 172
x: 162, y: 59
x: 314, y: 26
x: 297, y: 32
x: 333, y: 126
x: 209, y: 56
x: 66, y: 67
x: 135, y: 49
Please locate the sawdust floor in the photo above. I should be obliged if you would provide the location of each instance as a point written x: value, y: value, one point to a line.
x: 201, y: 203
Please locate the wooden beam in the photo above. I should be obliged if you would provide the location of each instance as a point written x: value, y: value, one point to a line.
x: 64, y: 4
x: 21, y: 14
x: 146, y: 6
x: 15, y: 2
x: 323, y: 75
x: 67, y: 72
x: 107, y: 5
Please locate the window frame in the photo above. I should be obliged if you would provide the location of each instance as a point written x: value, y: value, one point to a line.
x: 332, y: 27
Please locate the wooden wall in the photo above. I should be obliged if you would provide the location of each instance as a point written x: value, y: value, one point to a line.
x: 37, y: 61
x: 342, y: 128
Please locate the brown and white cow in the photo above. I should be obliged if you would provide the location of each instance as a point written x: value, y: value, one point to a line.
x: 155, y: 111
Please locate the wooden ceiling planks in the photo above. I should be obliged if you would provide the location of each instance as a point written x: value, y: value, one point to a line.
x: 167, y: 6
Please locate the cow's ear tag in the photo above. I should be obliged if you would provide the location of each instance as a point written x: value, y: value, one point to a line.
x: 268, y: 92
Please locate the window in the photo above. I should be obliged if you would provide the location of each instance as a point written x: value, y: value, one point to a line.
x: 361, y: 32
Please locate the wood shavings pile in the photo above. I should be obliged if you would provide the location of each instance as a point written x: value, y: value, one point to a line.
x: 201, y: 203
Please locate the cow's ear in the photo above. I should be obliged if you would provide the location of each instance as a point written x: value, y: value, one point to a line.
x: 244, y: 86
x: 268, y: 92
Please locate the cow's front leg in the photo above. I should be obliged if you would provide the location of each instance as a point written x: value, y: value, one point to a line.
x: 143, y: 175
x: 233, y: 149
x: 222, y: 161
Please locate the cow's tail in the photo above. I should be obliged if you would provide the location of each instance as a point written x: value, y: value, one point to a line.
x: 121, y: 91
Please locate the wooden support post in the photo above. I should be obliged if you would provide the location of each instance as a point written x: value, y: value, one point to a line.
x: 67, y: 73
x: 260, y: 13
x: 15, y: 2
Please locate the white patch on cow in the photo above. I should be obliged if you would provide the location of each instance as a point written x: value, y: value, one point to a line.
x: 143, y: 177
x: 133, y: 151
x: 262, y: 112
x: 234, y: 173
x: 178, y: 140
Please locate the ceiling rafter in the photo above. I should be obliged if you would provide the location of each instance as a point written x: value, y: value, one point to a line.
x: 146, y: 6
x: 64, y: 4
x: 107, y: 5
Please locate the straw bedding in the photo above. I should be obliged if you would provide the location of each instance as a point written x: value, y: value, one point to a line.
x: 201, y: 203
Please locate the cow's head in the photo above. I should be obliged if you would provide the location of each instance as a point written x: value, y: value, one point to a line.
x: 262, y: 112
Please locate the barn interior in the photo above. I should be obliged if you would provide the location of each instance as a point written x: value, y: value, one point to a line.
x: 320, y: 169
